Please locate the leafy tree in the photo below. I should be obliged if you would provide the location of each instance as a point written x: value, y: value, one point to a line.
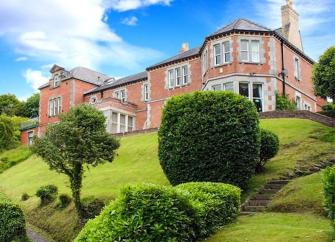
x: 79, y: 139
x: 10, y: 105
x: 31, y: 106
x: 324, y: 75
x: 7, y: 132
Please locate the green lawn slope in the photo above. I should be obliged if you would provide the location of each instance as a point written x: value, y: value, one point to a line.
x: 303, y: 143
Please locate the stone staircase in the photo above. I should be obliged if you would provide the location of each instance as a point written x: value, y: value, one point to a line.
x: 259, y: 201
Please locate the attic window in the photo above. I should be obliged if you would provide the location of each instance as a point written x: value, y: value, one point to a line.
x: 56, y: 80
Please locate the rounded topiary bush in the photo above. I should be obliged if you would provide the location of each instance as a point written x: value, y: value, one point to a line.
x: 215, y: 204
x: 209, y: 136
x: 47, y: 193
x: 143, y: 213
x: 269, y: 148
x: 12, y: 222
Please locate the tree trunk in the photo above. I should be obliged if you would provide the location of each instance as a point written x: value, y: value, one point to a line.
x: 76, y: 183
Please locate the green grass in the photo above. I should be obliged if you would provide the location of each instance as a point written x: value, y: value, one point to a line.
x: 276, y: 227
x: 303, y: 142
x: 304, y: 194
x: 12, y: 157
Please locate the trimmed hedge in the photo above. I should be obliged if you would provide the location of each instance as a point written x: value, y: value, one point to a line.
x: 12, y: 222
x: 269, y: 148
x: 143, y: 213
x: 215, y: 204
x: 284, y: 103
x: 329, y: 191
x: 209, y: 136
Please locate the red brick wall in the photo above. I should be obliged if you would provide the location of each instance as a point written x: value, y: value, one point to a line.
x: 24, y: 135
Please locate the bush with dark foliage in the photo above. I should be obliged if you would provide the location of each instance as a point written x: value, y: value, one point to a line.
x: 12, y: 222
x: 215, y: 204
x: 269, y: 148
x: 143, y: 213
x: 209, y: 136
x: 47, y: 193
x: 64, y: 200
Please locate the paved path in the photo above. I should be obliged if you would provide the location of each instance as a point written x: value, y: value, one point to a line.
x: 35, y: 237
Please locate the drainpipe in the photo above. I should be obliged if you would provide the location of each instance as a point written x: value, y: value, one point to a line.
x: 283, y: 71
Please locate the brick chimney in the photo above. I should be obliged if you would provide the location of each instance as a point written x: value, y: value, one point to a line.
x: 184, y: 47
x: 290, y: 24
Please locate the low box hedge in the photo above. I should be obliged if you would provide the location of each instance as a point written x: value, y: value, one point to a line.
x: 215, y: 204
x: 12, y: 222
x: 143, y: 213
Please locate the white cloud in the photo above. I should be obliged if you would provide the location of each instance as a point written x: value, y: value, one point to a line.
x: 125, y: 5
x: 21, y: 58
x: 71, y: 33
x: 35, y: 78
x: 315, y: 19
x: 132, y: 21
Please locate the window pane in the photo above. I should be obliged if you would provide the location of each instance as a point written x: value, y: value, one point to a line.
x: 244, y: 56
x: 255, y: 51
x: 257, y: 90
x: 122, y: 123
x: 114, y: 122
x: 227, y: 51
x: 244, y: 89
x: 185, y: 74
x: 51, y: 107
x: 178, y: 75
x: 217, y: 54
x: 217, y: 87
x: 229, y: 86
x: 130, y: 124
x: 55, y: 106
x: 171, y: 78
x: 244, y: 45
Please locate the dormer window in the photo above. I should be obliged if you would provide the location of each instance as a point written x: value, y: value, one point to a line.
x: 121, y: 95
x: 56, y: 80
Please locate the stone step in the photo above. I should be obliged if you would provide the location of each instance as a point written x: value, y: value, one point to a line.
x: 253, y: 208
x: 244, y: 213
x: 262, y: 196
x: 314, y: 169
x: 254, y: 202
x: 268, y: 191
x: 283, y: 181
x: 273, y: 186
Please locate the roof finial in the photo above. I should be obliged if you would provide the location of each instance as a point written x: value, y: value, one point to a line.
x: 289, y: 2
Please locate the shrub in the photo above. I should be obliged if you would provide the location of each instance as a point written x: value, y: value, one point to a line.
x: 92, y: 207
x: 269, y: 148
x: 329, y: 191
x: 64, y: 200
x: 143, y: 213
x: 283, y: 103
x: 12, y: 222
x: 7, y: 136
x: 25, y: 197
x: 215, y: 204
x: 209, y: 136
x: 47, y: 193
x: 328, y: 110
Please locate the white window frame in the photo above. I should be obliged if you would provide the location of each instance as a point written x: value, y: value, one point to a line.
x: 249, y: 52
x: 30, y: 138
x: 55, y: 106
x: 93, y: 99
x: 250, y: 91
x: 146, y: 95
x: 121, y: 95
x: 217, y: 87
x: 225, y: 84
x: 178, y: 77
x: 225, y: 52
x: 299, y: 104
x: 217, y: 55
x: 56, y: 80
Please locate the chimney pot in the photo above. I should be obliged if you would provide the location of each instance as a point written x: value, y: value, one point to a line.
x: 184, y: 47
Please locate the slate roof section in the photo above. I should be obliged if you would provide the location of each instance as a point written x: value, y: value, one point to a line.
x: 83, y: 74
x: 122, y: 81
x: 180, y: 56
x: 241, y: 25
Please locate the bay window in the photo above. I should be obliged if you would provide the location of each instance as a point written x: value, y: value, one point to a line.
x: 217, y: 54
x: 222, y: 53
x: 244, y: 89
x: 256, y: 95
x: 217, y: 87
x: 229, y: 86
x: 114, y: 122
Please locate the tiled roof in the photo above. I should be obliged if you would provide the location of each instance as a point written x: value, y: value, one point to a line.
x: 241, y: 24
x: 84, y: 74
x: 183, y: 55
x: 122, y: 81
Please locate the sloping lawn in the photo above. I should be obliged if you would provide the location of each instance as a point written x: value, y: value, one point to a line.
x: 304, y: 194
x: 12, y: 157
x: 303, y: 142
x: 276, y: 227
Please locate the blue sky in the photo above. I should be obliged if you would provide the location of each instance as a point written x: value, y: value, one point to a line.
x: 122, y: 37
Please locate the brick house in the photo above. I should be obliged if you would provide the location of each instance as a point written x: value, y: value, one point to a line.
x: 243, y: 57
